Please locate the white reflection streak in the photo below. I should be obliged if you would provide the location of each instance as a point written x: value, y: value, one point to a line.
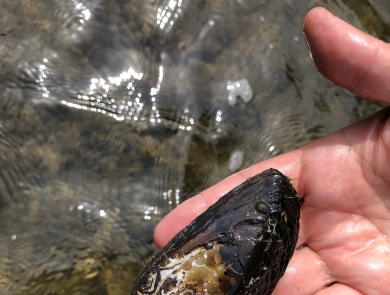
x: 91, y: 109
x: 218, y: 116
x: 125, y: 76
x: 105, y: 85
x: 85, y: 13
x: 84, y: 10
x: 41, y: 78
x: 177, y: 197
x: 185, y: 119
x: 168, y: 13
x: 153, y: 92
x: 151, y: 210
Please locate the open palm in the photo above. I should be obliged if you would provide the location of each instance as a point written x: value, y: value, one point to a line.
x: 344, y: 240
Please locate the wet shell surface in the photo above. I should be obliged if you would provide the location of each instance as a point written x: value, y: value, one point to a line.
x: 240, y: 245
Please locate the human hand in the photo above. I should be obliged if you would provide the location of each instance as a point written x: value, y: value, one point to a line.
x: 344, y: 240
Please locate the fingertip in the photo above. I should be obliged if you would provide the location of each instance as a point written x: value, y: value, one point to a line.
x: 178, y: 219
x: 320, y: 29
x: 158, y: 236
x: 347, y: 56
x: 315, y: 14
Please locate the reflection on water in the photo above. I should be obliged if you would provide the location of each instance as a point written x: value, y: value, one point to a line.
x: 113, y: 112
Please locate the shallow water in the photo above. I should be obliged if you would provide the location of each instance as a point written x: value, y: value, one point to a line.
x: 113, y: 112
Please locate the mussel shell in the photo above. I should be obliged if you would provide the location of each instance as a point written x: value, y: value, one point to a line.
x: 240, y: 245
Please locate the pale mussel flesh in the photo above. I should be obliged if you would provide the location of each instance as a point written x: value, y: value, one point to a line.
x: 240, y: 245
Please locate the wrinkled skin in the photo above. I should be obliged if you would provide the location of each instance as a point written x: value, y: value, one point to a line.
x: 344, y: 177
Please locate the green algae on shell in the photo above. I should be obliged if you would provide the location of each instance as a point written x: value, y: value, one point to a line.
x: 240, y: 245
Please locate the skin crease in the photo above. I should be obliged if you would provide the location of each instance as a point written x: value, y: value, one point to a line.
x: 344, y: 177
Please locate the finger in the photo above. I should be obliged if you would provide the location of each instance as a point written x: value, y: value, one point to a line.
x: 306, y: 274
x: 347, y: 56
x: 180, y: 217
x: 337, y: 289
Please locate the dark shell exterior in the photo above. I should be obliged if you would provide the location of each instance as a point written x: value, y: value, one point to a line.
x: 240, y: 245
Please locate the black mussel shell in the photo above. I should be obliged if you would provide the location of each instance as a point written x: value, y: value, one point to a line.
x: 240, y: 245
